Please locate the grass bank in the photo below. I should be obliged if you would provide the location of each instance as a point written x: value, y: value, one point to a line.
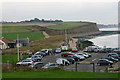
x: 58, y: 74
x: 31, y: 35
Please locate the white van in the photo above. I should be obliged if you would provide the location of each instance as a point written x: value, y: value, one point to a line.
x: 64, y: 48
x: 61, y: 61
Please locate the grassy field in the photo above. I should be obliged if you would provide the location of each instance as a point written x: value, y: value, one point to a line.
x: 10, y: 33
x: 12, y: 58
x: 58, y: 74
x: 31, y: 35
x: 12, y: 29
x: 65, y: 25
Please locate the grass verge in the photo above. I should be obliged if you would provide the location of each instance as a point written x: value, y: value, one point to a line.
x: 58, y: 74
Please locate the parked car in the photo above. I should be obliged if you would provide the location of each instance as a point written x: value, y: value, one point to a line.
x: 45, y: 51
x: 40, y: 53
x: 83, y: 54
x: 112, y: 59
x: 80, y: 56
x: 25, y: 62
x: 98, y: 49
x: 64, y: 48
x: 37, y: 57
x: 89, y: 55
x: 65, y: 54
x: 74, y: 50
x: 61, y: 61
x: 50, y: 65
x: 104, y: 62
x: 76, y: 58
x: 58, y: 50
x: 90, y: 48
x: 36, y: 65
x: 114, y: 55
x: 71, y: 60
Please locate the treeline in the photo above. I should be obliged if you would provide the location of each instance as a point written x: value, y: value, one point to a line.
x: 42, y: 20
x: 35, y: 20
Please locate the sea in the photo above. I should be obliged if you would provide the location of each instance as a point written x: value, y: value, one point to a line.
x: 110, y: 41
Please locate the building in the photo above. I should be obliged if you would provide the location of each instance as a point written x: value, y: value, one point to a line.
x: 4, y: 43
x: 22, y: 42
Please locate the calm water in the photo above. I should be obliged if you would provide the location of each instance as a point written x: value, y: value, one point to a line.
x: 108, y: 41
x: 108, y: 29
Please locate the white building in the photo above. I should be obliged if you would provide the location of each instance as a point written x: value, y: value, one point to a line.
x: 4, y: 43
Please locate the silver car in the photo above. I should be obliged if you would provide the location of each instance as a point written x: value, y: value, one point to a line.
x: 50, y: 65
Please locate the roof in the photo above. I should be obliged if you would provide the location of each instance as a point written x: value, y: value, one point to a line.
x: 5, y: 40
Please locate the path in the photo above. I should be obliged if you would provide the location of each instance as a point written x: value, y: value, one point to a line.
x: 73, y: 43
x: 46, y: 35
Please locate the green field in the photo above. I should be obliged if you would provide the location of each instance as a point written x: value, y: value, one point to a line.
x: 12, y: 29
x: 12, y: 58
x: 58, y: 74
x: 31, y: 35
x: 10, y: 33
x: 66, y: 25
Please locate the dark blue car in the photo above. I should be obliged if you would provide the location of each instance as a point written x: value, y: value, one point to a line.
x: 75, y: 57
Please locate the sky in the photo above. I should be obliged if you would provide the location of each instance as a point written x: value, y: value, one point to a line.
x: 98, y: 11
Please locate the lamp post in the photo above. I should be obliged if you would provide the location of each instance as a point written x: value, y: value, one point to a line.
x: 18, y: 45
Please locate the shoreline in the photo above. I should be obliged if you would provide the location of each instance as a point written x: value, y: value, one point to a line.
x: 102, y: 33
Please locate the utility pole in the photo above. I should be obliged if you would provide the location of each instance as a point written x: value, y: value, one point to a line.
x: 18, y: 45
x: 66, y: 35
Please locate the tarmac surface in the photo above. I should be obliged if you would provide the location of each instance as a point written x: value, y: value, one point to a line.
x: 81, y: 67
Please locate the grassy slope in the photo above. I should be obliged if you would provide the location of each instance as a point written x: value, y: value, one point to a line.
x: 13, y: 58
x: 58, y: 74
x: 65, y: 25
x: 10, y: 32
x: 32, y: 35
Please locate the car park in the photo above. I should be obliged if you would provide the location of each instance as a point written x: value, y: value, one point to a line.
x: 74, y: 50
x: 65, y: 54
x: 112, y: 59
x: 50, y: 65
x: 61, y: 61
x: 104, y: 62
x: 36, y: 65
x: 58, y: 50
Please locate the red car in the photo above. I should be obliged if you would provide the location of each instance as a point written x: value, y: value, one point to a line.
x: 65, y: 54
x: 74, y: 50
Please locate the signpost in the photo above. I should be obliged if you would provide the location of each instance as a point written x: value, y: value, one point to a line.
x: 86, y: 63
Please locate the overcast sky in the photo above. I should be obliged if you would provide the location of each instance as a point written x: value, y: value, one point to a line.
x: 99, y: 11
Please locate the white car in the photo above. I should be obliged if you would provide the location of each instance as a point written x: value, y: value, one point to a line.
x: 25, y: 62
x: 36, y: 65
x: 37, y: 57
x: 83, y: 54
x: 80, y: 56
x: 61, y: 61
x: 50, y: 65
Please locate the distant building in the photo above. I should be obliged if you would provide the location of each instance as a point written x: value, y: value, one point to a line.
x: 4, y: 43
x: 22, y: 42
